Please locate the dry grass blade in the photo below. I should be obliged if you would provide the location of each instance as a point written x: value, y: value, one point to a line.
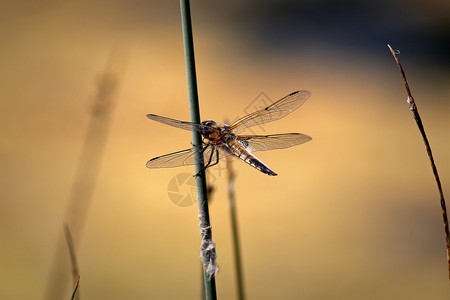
x: 73, y: 258
x: 413, y: 108
x: 77, y: 283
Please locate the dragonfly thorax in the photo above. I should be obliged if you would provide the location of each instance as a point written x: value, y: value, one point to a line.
x: 212, y: 131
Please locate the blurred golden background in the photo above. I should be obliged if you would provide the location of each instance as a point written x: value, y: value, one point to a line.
x: 353, y: 214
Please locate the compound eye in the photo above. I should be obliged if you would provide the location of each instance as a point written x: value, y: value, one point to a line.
x: 209, y: 123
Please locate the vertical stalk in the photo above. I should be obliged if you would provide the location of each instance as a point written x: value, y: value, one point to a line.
x: 207, y: 248
x: 87, y: 171
x: 413, y: 108
x: 234, y: 231
x: 202, y: 284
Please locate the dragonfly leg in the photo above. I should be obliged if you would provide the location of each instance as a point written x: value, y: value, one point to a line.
x: 204, y: 148
x: 208, y: 164
x: 217, y: 158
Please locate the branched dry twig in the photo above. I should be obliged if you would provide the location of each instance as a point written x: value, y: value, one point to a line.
x: 413, y: 108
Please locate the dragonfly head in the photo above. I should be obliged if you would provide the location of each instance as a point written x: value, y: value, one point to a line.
x: 209, y: 123
x: 208, y: 128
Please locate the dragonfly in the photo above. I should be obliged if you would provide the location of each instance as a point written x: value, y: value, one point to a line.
x: 221, y: 140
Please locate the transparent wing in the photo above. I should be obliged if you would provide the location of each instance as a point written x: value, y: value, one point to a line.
x: 271, y: 142
x: 176, y: 159
x: 177, y: 123
x: 273, y: 112
x: 185, y: 157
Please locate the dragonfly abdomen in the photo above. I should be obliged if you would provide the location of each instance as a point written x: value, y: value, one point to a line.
x: 243, y: 154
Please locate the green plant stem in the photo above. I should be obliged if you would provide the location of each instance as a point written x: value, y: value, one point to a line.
x: 202, y: 285
x: 413, y: 108
x: 207, y: 246
x: 234, y: 231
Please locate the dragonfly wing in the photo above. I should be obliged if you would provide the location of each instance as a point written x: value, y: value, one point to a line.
x: 271, y: 142
x: 176, y: 159
x: 273, y: 112
x: 176, y: 123
x: 186, y: 157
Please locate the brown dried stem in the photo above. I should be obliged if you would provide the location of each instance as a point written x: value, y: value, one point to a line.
x: 413, y: 108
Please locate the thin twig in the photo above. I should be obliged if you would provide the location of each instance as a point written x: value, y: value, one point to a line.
x: 234, y: 230
x: 207, y: 247
x: 413, y: 108
x: 73, y: 258
x: 75, y: 288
